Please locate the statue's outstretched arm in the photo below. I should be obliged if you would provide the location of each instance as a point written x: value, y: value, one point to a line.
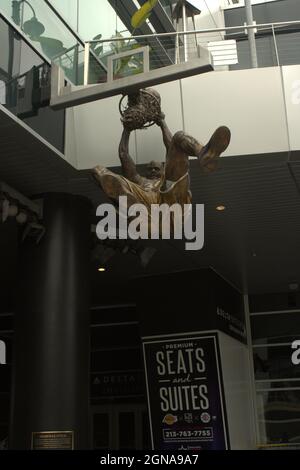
x: 167, y: 135
x: 128, y: 166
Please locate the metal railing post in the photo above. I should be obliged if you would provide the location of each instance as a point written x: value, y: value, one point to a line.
x: 86, y: 63
x: 177, y: 56
x: 275, y: 45
x: 251, y: 34
x: 184, y: 20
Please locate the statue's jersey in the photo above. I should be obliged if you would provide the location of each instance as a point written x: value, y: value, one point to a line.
x: 158, y: 191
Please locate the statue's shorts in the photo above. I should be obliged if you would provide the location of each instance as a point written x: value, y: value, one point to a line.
x: 164, y: 192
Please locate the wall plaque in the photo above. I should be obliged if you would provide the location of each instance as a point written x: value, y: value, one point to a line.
x: 54, y: 440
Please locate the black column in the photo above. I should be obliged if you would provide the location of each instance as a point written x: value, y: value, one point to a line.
x: 51, y: 354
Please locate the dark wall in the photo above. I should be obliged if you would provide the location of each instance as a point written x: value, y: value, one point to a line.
x: 287, y: 45
x: 280, y: 324
x: 117, y: 371
x: 189, y: 301
x: 8, y: 264
x: 8, y: 275
x: 271, y: 12
x: 171, y: 303
x: 50, y: 125
x: 287, y: 38
x: 274, y: 301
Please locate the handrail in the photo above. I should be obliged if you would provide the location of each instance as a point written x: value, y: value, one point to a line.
x: 66, y: 24
x: 197, y: 31
x: 72, y: 31
x: 78, y: 41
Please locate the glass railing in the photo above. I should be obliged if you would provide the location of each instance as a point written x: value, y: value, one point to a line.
x: 277, y: 44
x: 25, y: 87
x: 125, y: 56
x: 50, y: 35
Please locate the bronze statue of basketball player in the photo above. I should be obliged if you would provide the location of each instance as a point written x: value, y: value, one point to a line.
x: 163, y: 182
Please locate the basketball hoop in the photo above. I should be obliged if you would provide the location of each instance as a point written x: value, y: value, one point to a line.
x: 142, y: 109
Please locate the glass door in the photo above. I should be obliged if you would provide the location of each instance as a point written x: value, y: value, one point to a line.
x: 120, y: 427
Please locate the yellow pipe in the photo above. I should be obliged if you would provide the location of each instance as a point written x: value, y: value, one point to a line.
x: 143, y: 13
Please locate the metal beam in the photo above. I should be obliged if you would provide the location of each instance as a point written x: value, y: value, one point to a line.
x: 68, y: 97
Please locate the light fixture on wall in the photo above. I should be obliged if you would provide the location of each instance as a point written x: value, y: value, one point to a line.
x: 13, y: 205
x: 33, y: 27
x: 8, y: 209
x: 22, y: 218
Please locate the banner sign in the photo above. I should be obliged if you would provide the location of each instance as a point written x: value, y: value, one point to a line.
x: 185, y: 396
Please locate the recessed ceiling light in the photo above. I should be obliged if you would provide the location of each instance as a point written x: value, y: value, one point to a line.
x: 101, y: 270
x: 220, y: 208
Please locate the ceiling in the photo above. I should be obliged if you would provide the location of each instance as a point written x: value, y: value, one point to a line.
x: 254, y: 243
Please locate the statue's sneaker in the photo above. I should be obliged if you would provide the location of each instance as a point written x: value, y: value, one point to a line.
x: 210, y: 153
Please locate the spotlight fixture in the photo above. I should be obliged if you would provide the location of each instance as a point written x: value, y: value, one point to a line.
x: 8, y: 209
x: 34, y: 230
x: 101, y: 270
x: 221, y: 208
x: 14, y: 204
x: 25, y: 211
x: 22, y: 218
